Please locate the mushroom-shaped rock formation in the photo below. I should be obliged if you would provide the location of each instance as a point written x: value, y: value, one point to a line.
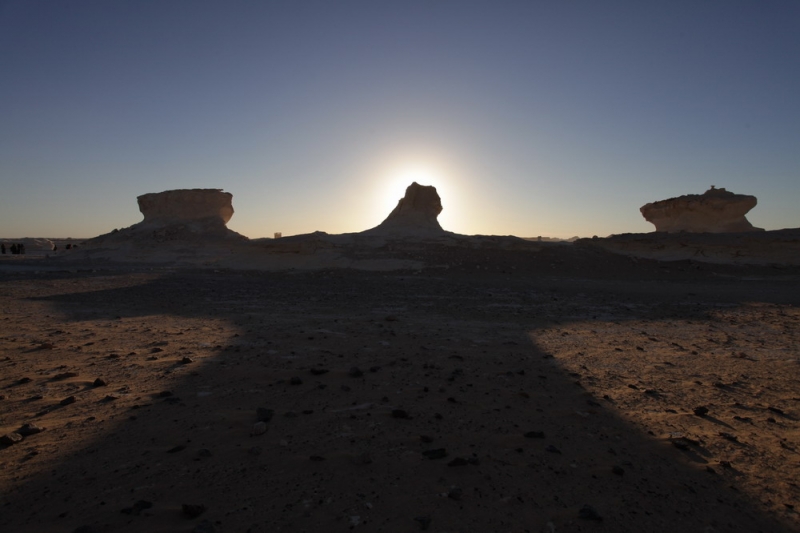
x: 186, y: 205
x: 415, y: 214
x: 715, y: 211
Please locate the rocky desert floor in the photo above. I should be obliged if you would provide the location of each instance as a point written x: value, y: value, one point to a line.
x: 556, y: 391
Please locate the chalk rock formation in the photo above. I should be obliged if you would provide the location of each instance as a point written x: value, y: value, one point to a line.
x: 415, y: 213
x: 186, y: 205
x: 715, y: 211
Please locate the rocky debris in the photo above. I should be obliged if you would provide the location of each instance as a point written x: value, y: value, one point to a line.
x: 416, y: 214
x: 259, y: 428
x: 99, y: 382
x: 714, y: 211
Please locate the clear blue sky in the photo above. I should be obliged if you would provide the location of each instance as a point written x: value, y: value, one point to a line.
x: 553, y: 118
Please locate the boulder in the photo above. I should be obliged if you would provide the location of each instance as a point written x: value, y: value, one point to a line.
x: 186, y: 205
x: 715, y: 211
x: 415, y: 214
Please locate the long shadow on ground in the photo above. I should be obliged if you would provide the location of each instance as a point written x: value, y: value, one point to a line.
x: 390, y: 402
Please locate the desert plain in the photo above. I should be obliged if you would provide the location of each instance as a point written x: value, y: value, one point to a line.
x: 554, y: 388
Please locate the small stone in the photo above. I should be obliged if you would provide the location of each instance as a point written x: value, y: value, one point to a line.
x: 165, y: 394
x: 424, y: 522
x: 204, y: 453
x: 455, y: 493
x: 426, y: 439
x: 192, y: 510
x: 400, y: 413
x: 458, y: 461
x: 701, y: 410
x: 187, y: 360
x: 259, y: 428
x: 10, y: 438
x: 552, y: 449
x: 99, y: 382
x: 29, y: 429
x: 137, y: 507
x: 436, y: 453
x: 176, y: 449
x: 64, y: 375
x: 317, y: 458
x: 264, y: 415
x: 318, y: 371
x: 355, y: 372
x: 588, y: 512
x: 24, y: 380
x: 295, y: 381
x: 205, y: 526
x: 618, y: 470
x: 534, y: 435
x: 68, y: 400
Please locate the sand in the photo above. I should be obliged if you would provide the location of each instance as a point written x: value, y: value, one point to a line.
x: 510, y: 391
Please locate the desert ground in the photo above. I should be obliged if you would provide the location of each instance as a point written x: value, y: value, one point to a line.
x: 553, y: 390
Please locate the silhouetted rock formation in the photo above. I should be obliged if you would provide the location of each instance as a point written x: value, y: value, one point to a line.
x: 415, y: 213
x: 715, y: 211
x: 185, y: 205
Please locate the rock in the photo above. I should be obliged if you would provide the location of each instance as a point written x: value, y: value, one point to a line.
x: 715, y: 211
x: 415, y: 214
x: 587, y: 512
x: 259, y: 428
x: 701, y: 410
x: 205, y: 526
x: 355, y: 372
x: 458, y: 461
x: 183, y: 205
x: 29, y: 429
x: 63, y: 376
x: 295, y: 381
x: 190, y: 510
x: 99, y: 382
x: 436, y: 453
x: 264, y: 415
x: 186, y: 360
x: 68, y: 400
x: 534, y: 435
x: 400, y: 413
x: 10, y: 438
x: 424, y: 522
x: 137, y: 507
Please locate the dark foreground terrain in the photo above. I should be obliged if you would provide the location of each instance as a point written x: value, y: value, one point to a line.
x: 493, y: 392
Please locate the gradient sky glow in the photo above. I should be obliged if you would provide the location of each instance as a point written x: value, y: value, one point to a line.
x: 553, y: 118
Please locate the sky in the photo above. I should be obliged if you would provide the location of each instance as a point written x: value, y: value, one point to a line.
x: 551, y: 118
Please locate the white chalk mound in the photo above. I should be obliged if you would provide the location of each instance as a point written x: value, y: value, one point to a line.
x: 715, y: 211
x: 415, y: 215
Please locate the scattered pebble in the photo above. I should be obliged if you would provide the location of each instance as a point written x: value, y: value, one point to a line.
x: 68, y: 400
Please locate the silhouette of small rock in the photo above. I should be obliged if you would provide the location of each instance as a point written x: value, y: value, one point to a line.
x: 588, y: 512
x: 192, y: 510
